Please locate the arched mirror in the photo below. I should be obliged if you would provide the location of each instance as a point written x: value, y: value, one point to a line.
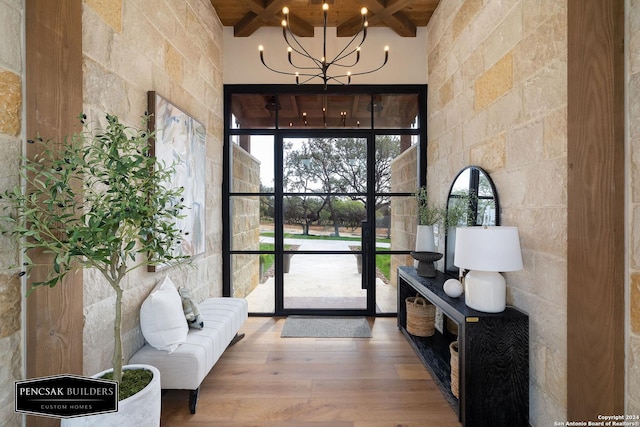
x: 472, y: 201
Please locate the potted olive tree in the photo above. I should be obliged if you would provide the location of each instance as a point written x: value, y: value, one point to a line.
x: 100, y: 200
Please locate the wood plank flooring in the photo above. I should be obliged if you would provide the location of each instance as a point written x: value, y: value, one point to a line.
x: 268, y: 381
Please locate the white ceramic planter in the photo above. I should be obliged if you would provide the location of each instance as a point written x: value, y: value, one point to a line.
x: 424, y: 239
x: 140, y: 410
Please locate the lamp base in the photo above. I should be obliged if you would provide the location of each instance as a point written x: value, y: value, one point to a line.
x: 485, y: 291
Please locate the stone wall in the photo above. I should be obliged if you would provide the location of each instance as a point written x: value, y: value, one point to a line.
x: 11, y: 135
x: 633, y: 214
x: 175, y: 48
x: 245, y: 222
x: 404, y: 214
x: 497, y: 99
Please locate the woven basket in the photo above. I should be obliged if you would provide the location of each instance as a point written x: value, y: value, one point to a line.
x: 452, y: 326
x: 453, y: 347
x: 421, y: 315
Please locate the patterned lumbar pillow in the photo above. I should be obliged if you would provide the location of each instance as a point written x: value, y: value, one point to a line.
x: 190, y: 308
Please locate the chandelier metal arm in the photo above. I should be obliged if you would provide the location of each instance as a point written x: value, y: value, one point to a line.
x: 303, y: 51
x: 356, y: 50
x: 386, y: 58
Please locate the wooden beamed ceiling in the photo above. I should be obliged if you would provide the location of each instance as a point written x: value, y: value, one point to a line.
x: 402, y: 16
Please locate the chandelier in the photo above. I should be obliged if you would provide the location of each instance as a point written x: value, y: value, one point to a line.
x: 319, y: 68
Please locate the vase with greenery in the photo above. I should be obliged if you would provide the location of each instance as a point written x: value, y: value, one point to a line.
x: 98, y: 200
x: 427, y: 213
x: 428, y: 216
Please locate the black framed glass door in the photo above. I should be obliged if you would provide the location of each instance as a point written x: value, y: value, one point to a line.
x: 312, y: 223
x: 325, y: 227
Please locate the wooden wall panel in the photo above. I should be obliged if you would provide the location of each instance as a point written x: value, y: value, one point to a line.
x: 53, y: 102
x: 595, y: 341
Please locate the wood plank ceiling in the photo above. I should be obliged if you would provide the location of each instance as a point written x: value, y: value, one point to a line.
x: 402, y: 16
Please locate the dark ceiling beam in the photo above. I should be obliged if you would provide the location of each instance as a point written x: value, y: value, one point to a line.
x: 389, y: 15
x: 271, y: 14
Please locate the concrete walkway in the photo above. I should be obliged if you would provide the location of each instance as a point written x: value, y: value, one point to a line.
x: 321, y: 281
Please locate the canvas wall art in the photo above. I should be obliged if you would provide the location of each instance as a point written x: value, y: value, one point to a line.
x: 181, y: 140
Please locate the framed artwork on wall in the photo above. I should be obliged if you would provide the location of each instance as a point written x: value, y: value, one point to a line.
x: 181, y: 140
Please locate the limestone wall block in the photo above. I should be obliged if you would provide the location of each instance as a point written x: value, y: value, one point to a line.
x: 505, y: 36
x: 10, y: 371
x: 160, y: 17
x: 98, y: 336
x: 549, y: 273
x: 142, y: 36
x: 437, y: 125
x: 472, y: 67
x: 10, y: 304
x: 11, y: 36
x: 634, y: 369
x: 506, y: 113
x: 490, y: 153
x: 524, y: 144
x: 11, y: 104
x: 547, y: 321
x: 537, y: 12
x: 103, y: 89
x: 634, y: 303
x: 545, y: 91
x: 556, y: 375
x: 634, y: 243
x: 110, y: 11
x: 173, y: 62
x: 543, y: 409
x: 494, y: 83
x: 462, y: 19
x: 475, y: 129
x: 96, y: 288
x: 544, y: 228
x: 634, y: 106
x: 489, y: 18
x: 97, y: 37
x: 537, y: 49
x: 463, y: 105
x: 547, y: 184
x: 555, y: 133
x: 9, y: 165
x: 125, y: 60
x: 512, y: 190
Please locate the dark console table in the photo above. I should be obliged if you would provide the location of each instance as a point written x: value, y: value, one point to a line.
x: 493, y: 354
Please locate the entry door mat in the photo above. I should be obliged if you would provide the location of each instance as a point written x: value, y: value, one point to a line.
x: 325, y: 327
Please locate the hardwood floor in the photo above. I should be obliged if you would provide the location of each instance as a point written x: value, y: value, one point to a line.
x: 268, y: 381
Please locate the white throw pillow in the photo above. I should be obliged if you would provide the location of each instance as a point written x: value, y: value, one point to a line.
x: 162, y: 319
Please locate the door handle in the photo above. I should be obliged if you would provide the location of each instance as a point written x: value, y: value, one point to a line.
x: 364, y: 240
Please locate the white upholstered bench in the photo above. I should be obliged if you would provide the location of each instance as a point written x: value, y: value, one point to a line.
x: 189, y: 364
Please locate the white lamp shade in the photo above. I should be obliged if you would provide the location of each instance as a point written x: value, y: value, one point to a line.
x: 494, y: 248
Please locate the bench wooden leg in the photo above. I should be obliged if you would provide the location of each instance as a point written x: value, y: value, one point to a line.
x: 193, y: 400
x: 235, y: 339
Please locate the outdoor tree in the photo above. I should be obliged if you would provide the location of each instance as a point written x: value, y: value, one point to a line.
x: 334, y: 166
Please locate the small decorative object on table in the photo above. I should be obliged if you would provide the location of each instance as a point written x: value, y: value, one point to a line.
x: 425, y: 262
x: 421, y: 315
x: 453, y: 288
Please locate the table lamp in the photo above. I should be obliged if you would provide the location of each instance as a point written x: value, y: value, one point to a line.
x: 486, y: 251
